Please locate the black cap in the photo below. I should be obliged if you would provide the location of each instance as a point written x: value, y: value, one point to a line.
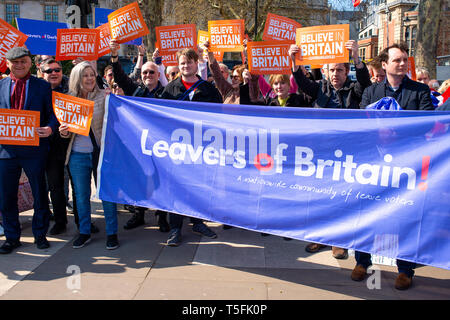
x: 17, y: 52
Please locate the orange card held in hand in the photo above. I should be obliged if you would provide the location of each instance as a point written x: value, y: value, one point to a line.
x: 226, y: 35
x: 77, y: 43
x: 18, y: 127
x: 75, y: 112
x: 171, y: 39
x: 204, y: 36
x: 322, y: 44
x: 10, y: 37
x: 280, y: 28
x: 127, y: 23
x: 269, y: 57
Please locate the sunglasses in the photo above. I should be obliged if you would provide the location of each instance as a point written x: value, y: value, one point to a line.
x: 49, y: 71
x: 173, y: 74
x: 148, y: 71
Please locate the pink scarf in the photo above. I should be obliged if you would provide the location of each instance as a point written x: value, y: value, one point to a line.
x: 18, y: 94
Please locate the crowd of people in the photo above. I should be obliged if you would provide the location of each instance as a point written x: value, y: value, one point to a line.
x: 63, y: 156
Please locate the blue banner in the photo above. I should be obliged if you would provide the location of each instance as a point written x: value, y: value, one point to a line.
x: 369, y: 180
x: 41, y: 35
x: 101, y: 17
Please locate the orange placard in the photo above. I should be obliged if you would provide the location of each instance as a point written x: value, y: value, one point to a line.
x: 280, y: 28
x: 323, y: 44
x: 411, y: 69
x: 269, y: 57
x: 77, y: 43
x: 104, y: 36
x: 73, y: 111
x: 18, y: 127
x: 127, y: 23
x: 204, y: 36
x: 170, y: 39
x: 226, y: 35
x: 10, y: 37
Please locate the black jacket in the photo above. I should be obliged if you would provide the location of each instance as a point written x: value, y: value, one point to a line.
x: 321, y: 91
x: 58, y: 145
x: 414, y: 95
x: 294, y: 100
x: 131, y: 88
x: 205, y: 92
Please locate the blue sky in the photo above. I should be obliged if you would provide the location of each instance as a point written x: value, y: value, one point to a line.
x: 345, y: 4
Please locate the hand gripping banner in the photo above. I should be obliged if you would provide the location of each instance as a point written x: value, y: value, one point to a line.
x: 369, y: 180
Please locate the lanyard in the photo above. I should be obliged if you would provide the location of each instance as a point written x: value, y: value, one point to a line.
x: 188, y: 92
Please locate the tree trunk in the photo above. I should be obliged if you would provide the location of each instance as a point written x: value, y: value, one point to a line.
x: 427, y: 34
x: 152, y: 11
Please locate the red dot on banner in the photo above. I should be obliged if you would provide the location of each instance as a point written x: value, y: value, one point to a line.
x: 423, y: 186
x: 263, y: 156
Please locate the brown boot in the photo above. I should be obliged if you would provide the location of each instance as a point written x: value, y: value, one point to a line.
x: 403, y: 282
x: 314, y: 247
x: 339, y: 253
x: 359, y: 273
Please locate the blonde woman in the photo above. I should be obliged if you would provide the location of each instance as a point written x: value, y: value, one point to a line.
x: 82, y: 156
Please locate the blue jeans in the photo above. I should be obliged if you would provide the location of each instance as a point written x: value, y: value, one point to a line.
x: 365, y: 259
x: 80, y: 166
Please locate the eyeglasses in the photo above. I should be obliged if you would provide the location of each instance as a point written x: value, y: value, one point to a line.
x: 49, y: 71
x: 148, y: 71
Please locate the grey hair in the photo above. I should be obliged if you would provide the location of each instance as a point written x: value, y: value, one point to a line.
x: 76, y: 76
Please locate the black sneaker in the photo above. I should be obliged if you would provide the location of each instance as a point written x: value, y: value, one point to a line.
x: 9, y: 245
x: 81, y: 241
x: 203, y: 230
x: 112, y: 242
x: 42, y: 242
x: 57, y: 229
x: 174, y: 239
x: 135, y: 221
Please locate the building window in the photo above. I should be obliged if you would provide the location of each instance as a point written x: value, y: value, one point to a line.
x: 413, y: 41
x: 12, y: 12
x: 51, y: 13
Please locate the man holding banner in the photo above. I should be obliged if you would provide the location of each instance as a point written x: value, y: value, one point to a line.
x: 21, y: 91
x: 336, y: 91
x: 189, y: 87
x: 410, y: 95
x: 150, y: 87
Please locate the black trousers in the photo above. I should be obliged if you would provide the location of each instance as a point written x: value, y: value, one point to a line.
x: 10, y: 171
x: 55, y: 180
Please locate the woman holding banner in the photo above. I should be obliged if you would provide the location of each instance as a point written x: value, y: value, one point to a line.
x: 82, y: 156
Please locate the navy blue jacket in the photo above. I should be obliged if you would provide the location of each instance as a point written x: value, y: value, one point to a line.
x: 414, y: 95
x: 39, y: 98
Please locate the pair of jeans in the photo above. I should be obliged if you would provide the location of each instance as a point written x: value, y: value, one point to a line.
x: 81, y: 170
x: 365, y: 259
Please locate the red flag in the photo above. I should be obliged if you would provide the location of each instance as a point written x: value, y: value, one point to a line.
x: 356, y: 3
x: 446, y: 95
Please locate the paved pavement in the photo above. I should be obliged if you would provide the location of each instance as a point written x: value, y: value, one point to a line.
x: 238, y: 265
